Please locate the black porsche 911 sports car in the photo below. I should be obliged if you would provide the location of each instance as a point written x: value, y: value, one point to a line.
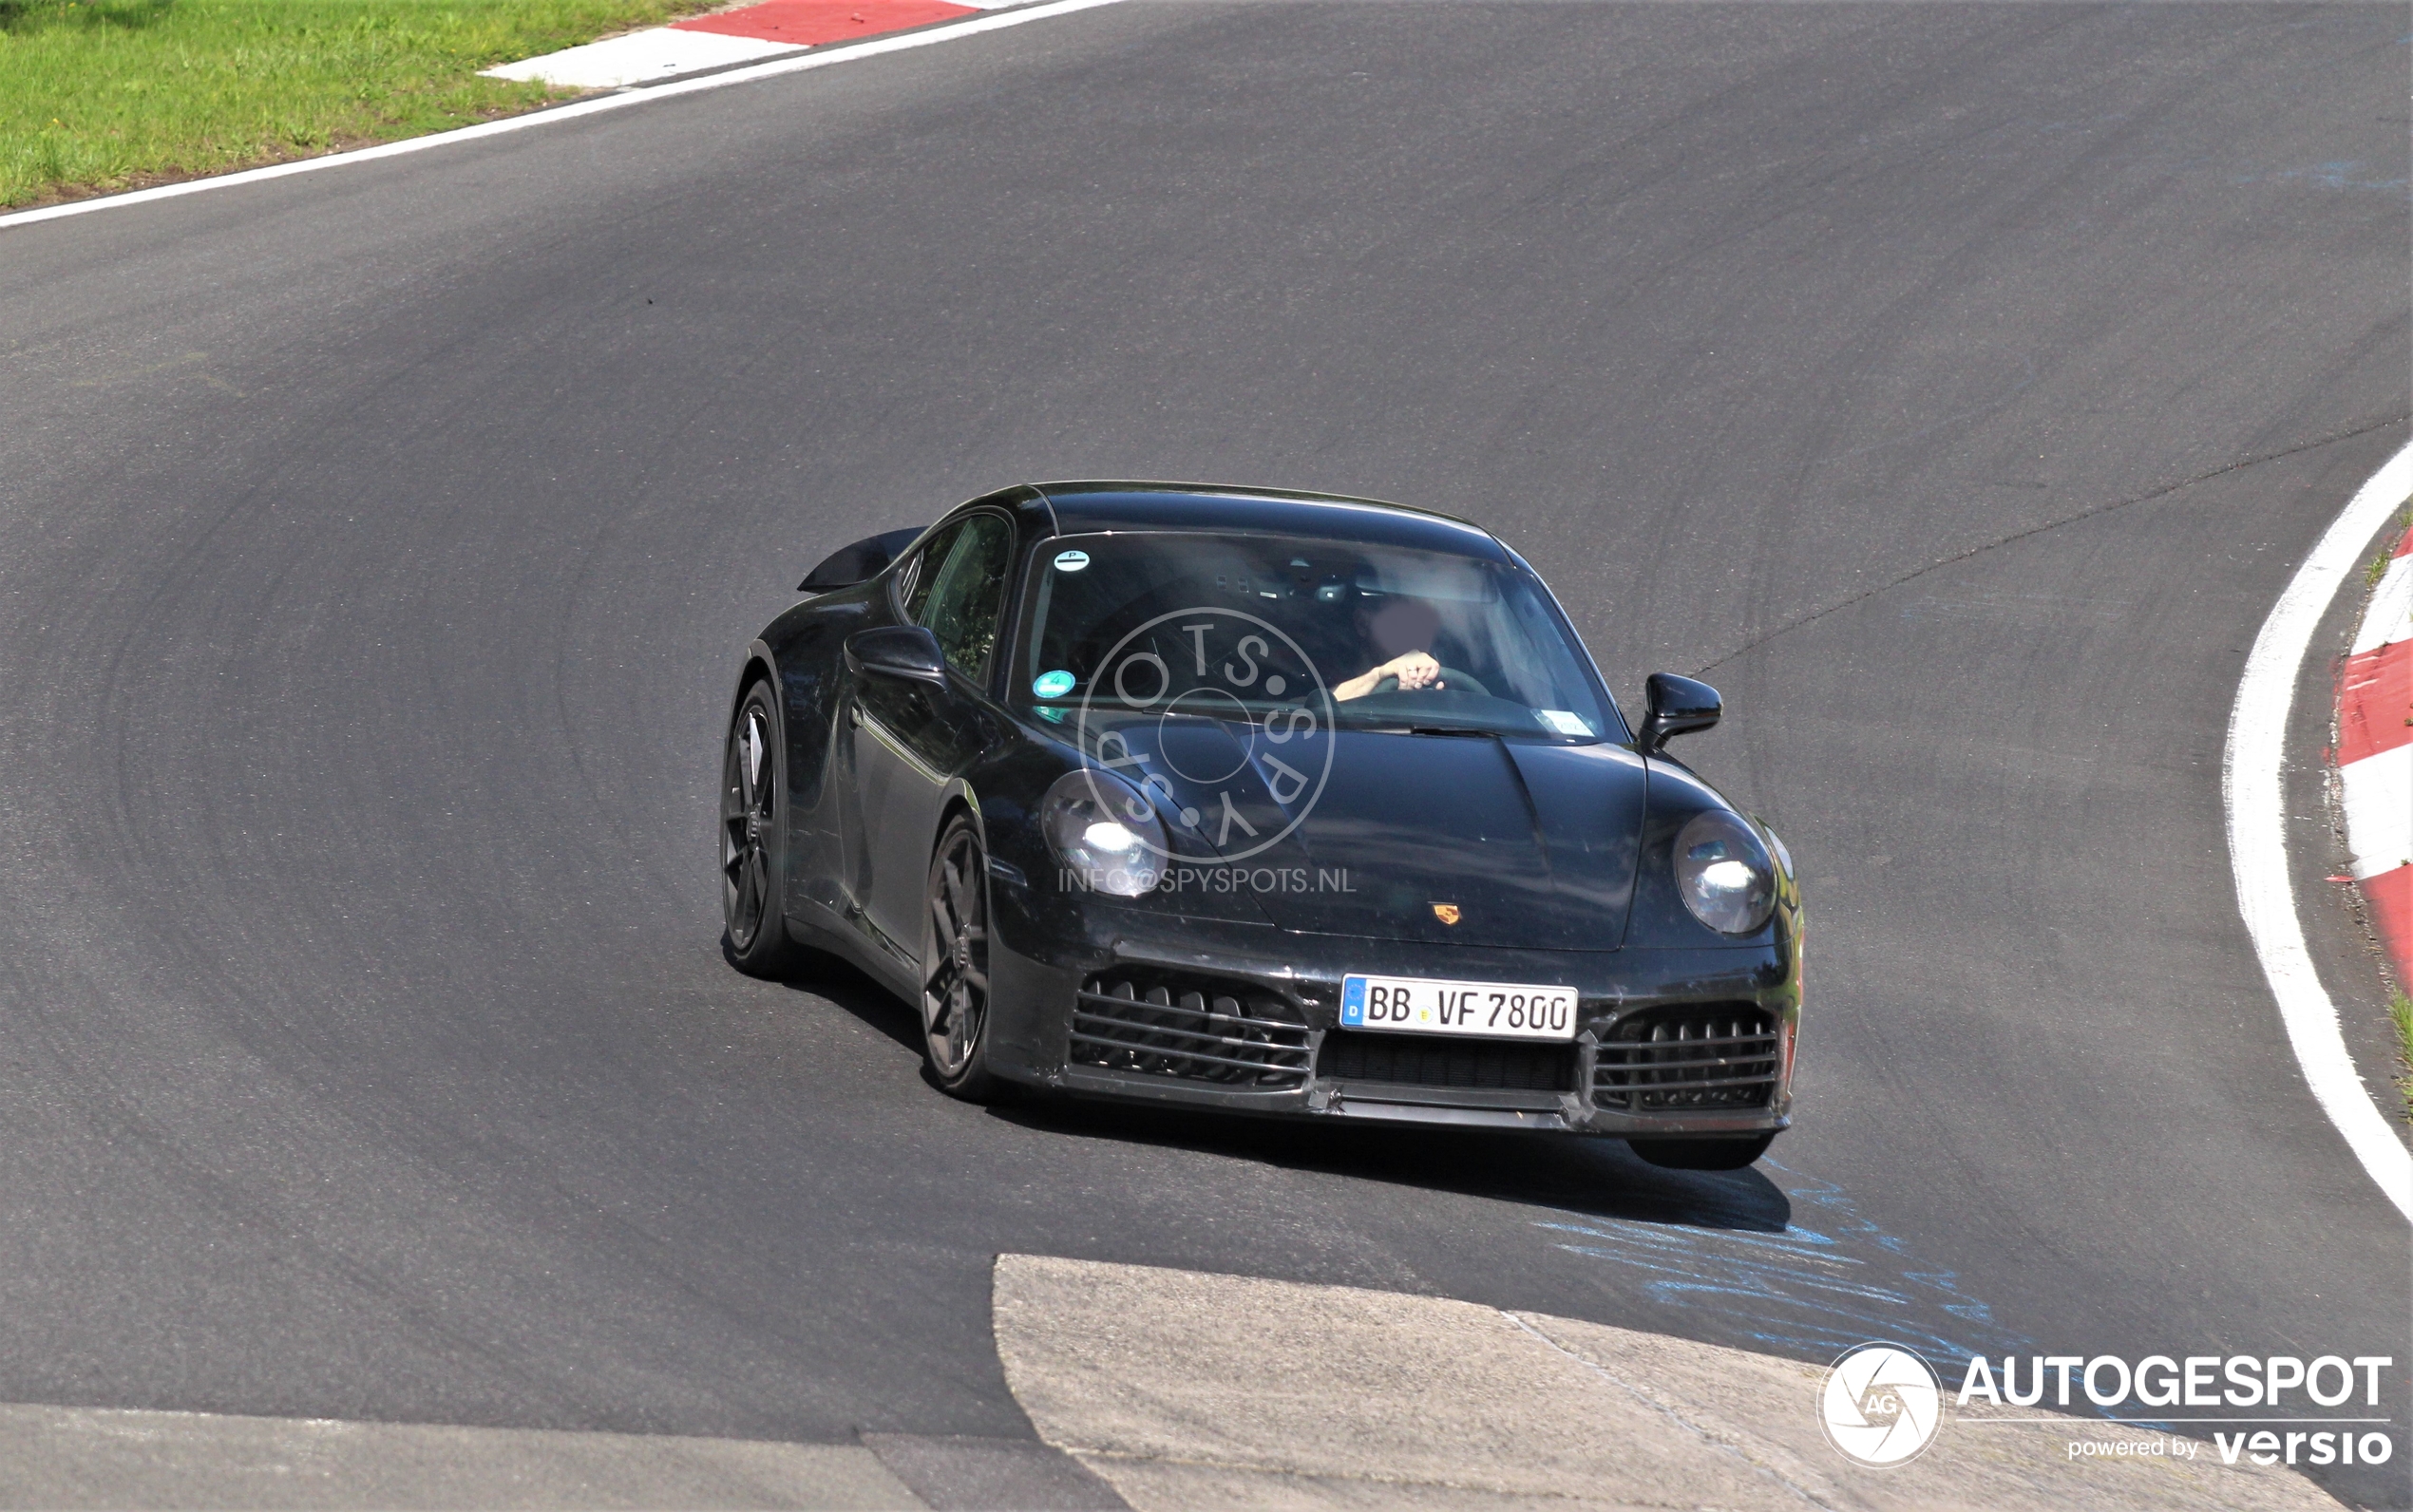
x: 1266, y: 801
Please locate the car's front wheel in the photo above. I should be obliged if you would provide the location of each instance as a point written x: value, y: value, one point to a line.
x: 1704, y: 1154
x: 955, y: 964
x: 754, y: 917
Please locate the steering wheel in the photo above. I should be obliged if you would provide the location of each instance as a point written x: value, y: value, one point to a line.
x: 1449, y: 680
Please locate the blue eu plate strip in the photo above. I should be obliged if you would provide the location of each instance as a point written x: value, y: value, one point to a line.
x: 1353, y: 1000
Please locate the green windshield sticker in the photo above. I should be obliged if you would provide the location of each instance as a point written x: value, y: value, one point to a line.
x: 1053, y: 685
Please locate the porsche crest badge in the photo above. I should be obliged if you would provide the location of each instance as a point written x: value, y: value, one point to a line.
x: 1446, y: 912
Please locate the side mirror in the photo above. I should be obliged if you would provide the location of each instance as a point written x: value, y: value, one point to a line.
x: 860, y: 562
x: 896, y: 651
x: 1675, y: 706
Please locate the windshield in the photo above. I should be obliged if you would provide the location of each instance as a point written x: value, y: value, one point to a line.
x: 1370, y: 637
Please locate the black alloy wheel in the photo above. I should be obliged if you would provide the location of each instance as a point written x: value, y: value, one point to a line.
x: 751, y: 852
x: 955, y: 964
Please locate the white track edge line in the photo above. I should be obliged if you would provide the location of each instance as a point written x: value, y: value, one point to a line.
x: 817, y: 58
x: 2254, y: 798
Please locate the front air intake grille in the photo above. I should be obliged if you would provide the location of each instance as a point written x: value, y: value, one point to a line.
x: 1200, y: 1028
x: 1710, y: 1057
x: 1405, y: 1060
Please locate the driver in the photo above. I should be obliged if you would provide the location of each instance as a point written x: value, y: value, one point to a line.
x: 1399, y: 635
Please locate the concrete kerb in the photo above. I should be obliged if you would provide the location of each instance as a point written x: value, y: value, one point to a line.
x: 1187, y: 1390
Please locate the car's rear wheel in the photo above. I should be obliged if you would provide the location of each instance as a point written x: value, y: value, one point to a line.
x: 955, y: 964
x: 1704, y: 1154
x: 753, y: 848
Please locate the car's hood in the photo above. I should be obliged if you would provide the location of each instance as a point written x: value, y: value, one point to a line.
x: 1530, y: 844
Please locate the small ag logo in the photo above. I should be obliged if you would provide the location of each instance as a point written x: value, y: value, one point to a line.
x: 1446, y: 912
x: 1150, y: 714
x: 1880, y: 1405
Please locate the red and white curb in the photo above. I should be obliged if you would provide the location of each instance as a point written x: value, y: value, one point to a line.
x: 2375, y: 756
x: 2253, y: 793
x: 726, y: 38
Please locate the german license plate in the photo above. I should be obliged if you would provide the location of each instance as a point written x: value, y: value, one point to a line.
x: 1411, y: 1005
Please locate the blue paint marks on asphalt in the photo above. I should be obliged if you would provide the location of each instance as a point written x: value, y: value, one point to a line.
x: 1830, y: 1279
x: 2340, y: 175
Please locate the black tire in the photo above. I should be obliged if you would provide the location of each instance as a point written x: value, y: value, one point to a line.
x: 955, y: 965
x: 753, y: 839
x: 1729, y: 1154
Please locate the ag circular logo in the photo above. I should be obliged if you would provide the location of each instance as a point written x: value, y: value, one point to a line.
x: 1222, y: 716
x: 1880, y: 1405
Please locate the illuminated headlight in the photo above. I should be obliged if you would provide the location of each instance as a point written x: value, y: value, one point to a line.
x: 1105, y: 832
x: 1724, y: 873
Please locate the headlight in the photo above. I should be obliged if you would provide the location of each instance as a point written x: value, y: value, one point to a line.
x: 1724, y: 873
x: 1105, y: 832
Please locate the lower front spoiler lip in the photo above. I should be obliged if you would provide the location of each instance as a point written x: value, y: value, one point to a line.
x: 1539, y: 1112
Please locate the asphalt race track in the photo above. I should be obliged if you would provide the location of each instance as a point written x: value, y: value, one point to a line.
x: 1954, y: 386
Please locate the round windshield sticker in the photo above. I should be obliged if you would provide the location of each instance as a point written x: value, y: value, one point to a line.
x: 1071, y: 561
x: 1053, y: 685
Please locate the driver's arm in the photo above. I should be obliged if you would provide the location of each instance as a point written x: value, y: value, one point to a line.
x: 1414, y: 670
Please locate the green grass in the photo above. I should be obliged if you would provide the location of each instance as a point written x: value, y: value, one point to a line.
x: 104, y: 94
x: 2401, y: 1011
x: 2379, y: 567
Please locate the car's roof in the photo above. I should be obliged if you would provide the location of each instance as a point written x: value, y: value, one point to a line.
x: 1083, y: 508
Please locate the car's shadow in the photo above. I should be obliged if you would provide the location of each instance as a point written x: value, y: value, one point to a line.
x: 1596, y: 1177
x: 839, y: 981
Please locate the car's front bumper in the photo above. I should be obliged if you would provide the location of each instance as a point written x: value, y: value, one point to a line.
x: 1590, y: 1087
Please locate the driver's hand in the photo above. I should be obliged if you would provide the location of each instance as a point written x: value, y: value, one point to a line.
x: 1416, y: 669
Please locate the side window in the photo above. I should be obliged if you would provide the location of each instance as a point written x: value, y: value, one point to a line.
x: 965, y: 593
x: 916, y: 578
